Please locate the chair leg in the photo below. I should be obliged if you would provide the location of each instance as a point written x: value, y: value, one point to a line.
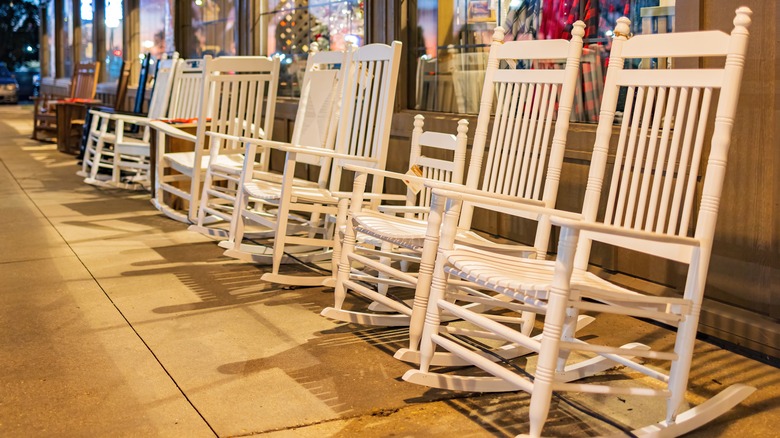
x: 345, y: 265
x: 97, y: 157
x: 427, y: 272
x: 555, y: 323
x: 432, y: 315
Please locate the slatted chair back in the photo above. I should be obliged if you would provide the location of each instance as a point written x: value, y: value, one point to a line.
x: 164, y: 83
x: 143, y: 78
x: 467, y: 70
x: 241, y: 103
x: 122, y: 84
x: 366, y: 111
x: 84, y: 82
x: 656, y: 180
x: 526, y: 143
x: 435, y: 168
x: 315, y: 125
x: 187, y: 92
x: 434, y: 90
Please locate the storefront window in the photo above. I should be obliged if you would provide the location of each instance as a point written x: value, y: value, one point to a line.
x: 86, y: 47
x: 67, y: 39
x: 214, y: 28
x: 114, y: 47
x: 290, y: 26
x: 156, y: 27
x: 49, y: 48
x: 453, y: 40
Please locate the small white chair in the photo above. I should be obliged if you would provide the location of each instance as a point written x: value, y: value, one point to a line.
x: 386, y: 244
x: 238, y: 100
x: 650, y: 208
x: 362, y: 136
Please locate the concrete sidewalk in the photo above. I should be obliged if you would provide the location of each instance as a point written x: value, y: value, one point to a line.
x: 117, y: 321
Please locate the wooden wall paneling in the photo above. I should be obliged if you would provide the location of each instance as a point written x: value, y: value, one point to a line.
x: 746, y: 253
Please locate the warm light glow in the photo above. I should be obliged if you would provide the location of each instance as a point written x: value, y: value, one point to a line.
x: 86, y: 10
x: 148, y: 44
x: 113, y: 13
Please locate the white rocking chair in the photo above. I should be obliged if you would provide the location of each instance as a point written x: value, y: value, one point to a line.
x: 109, y: 148
x: 649, y: 209
x: 239, y: 100
x: 217, y: 216
x: 518, y: 168
x: 362, y: 136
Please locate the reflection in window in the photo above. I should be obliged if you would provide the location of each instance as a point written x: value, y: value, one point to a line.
x: 67, y: 39
x: 453, y: 39
x: 290, y: 26
x: 49, y: 49
x: 156, y: 27
x: 86, y: 49
x: 114, y: 48
x: 213, y: 27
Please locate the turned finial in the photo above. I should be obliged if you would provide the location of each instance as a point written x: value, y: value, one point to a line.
x: 498, y: 34
x: 463, y: 126
x: 623, y: 27
x: 419, y: 120
x: 579, y: 29
x: 743, y: 17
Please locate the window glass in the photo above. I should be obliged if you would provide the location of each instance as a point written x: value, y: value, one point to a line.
x: 114, y: 46
x: 67, y: 39
x: 156, y: 27
x: 213, y: 27
x: 49, y: 49
x: 86, y: 48
x: 453, y: 39
x: 290, y: 26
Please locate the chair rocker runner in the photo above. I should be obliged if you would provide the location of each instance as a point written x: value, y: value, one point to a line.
x: 361, y: 136
x: 319, y: 91
x: 108, y: 145
x: 238, y: 100
x: 650, y: 207
x: 518, y: 168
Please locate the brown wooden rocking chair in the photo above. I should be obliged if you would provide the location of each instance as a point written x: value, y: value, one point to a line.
x: 82, y: 88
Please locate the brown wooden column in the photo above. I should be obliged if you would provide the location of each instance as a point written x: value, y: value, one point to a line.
x: 59, y: 44
x: 131, y: 28
x: 76, y: 5
x: 99, y: 35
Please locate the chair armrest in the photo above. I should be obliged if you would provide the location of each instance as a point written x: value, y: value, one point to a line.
x: 228, y: 136
x: 396, y: 209
x: 308, y: 150
x: 171, y: 131
x: 379, y: 196
x: 506, y: 203
x: 596, y: 227
x: 127, y: 118
x: 403, y: 176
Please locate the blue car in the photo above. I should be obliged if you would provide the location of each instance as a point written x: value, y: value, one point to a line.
x: 9, y: 88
